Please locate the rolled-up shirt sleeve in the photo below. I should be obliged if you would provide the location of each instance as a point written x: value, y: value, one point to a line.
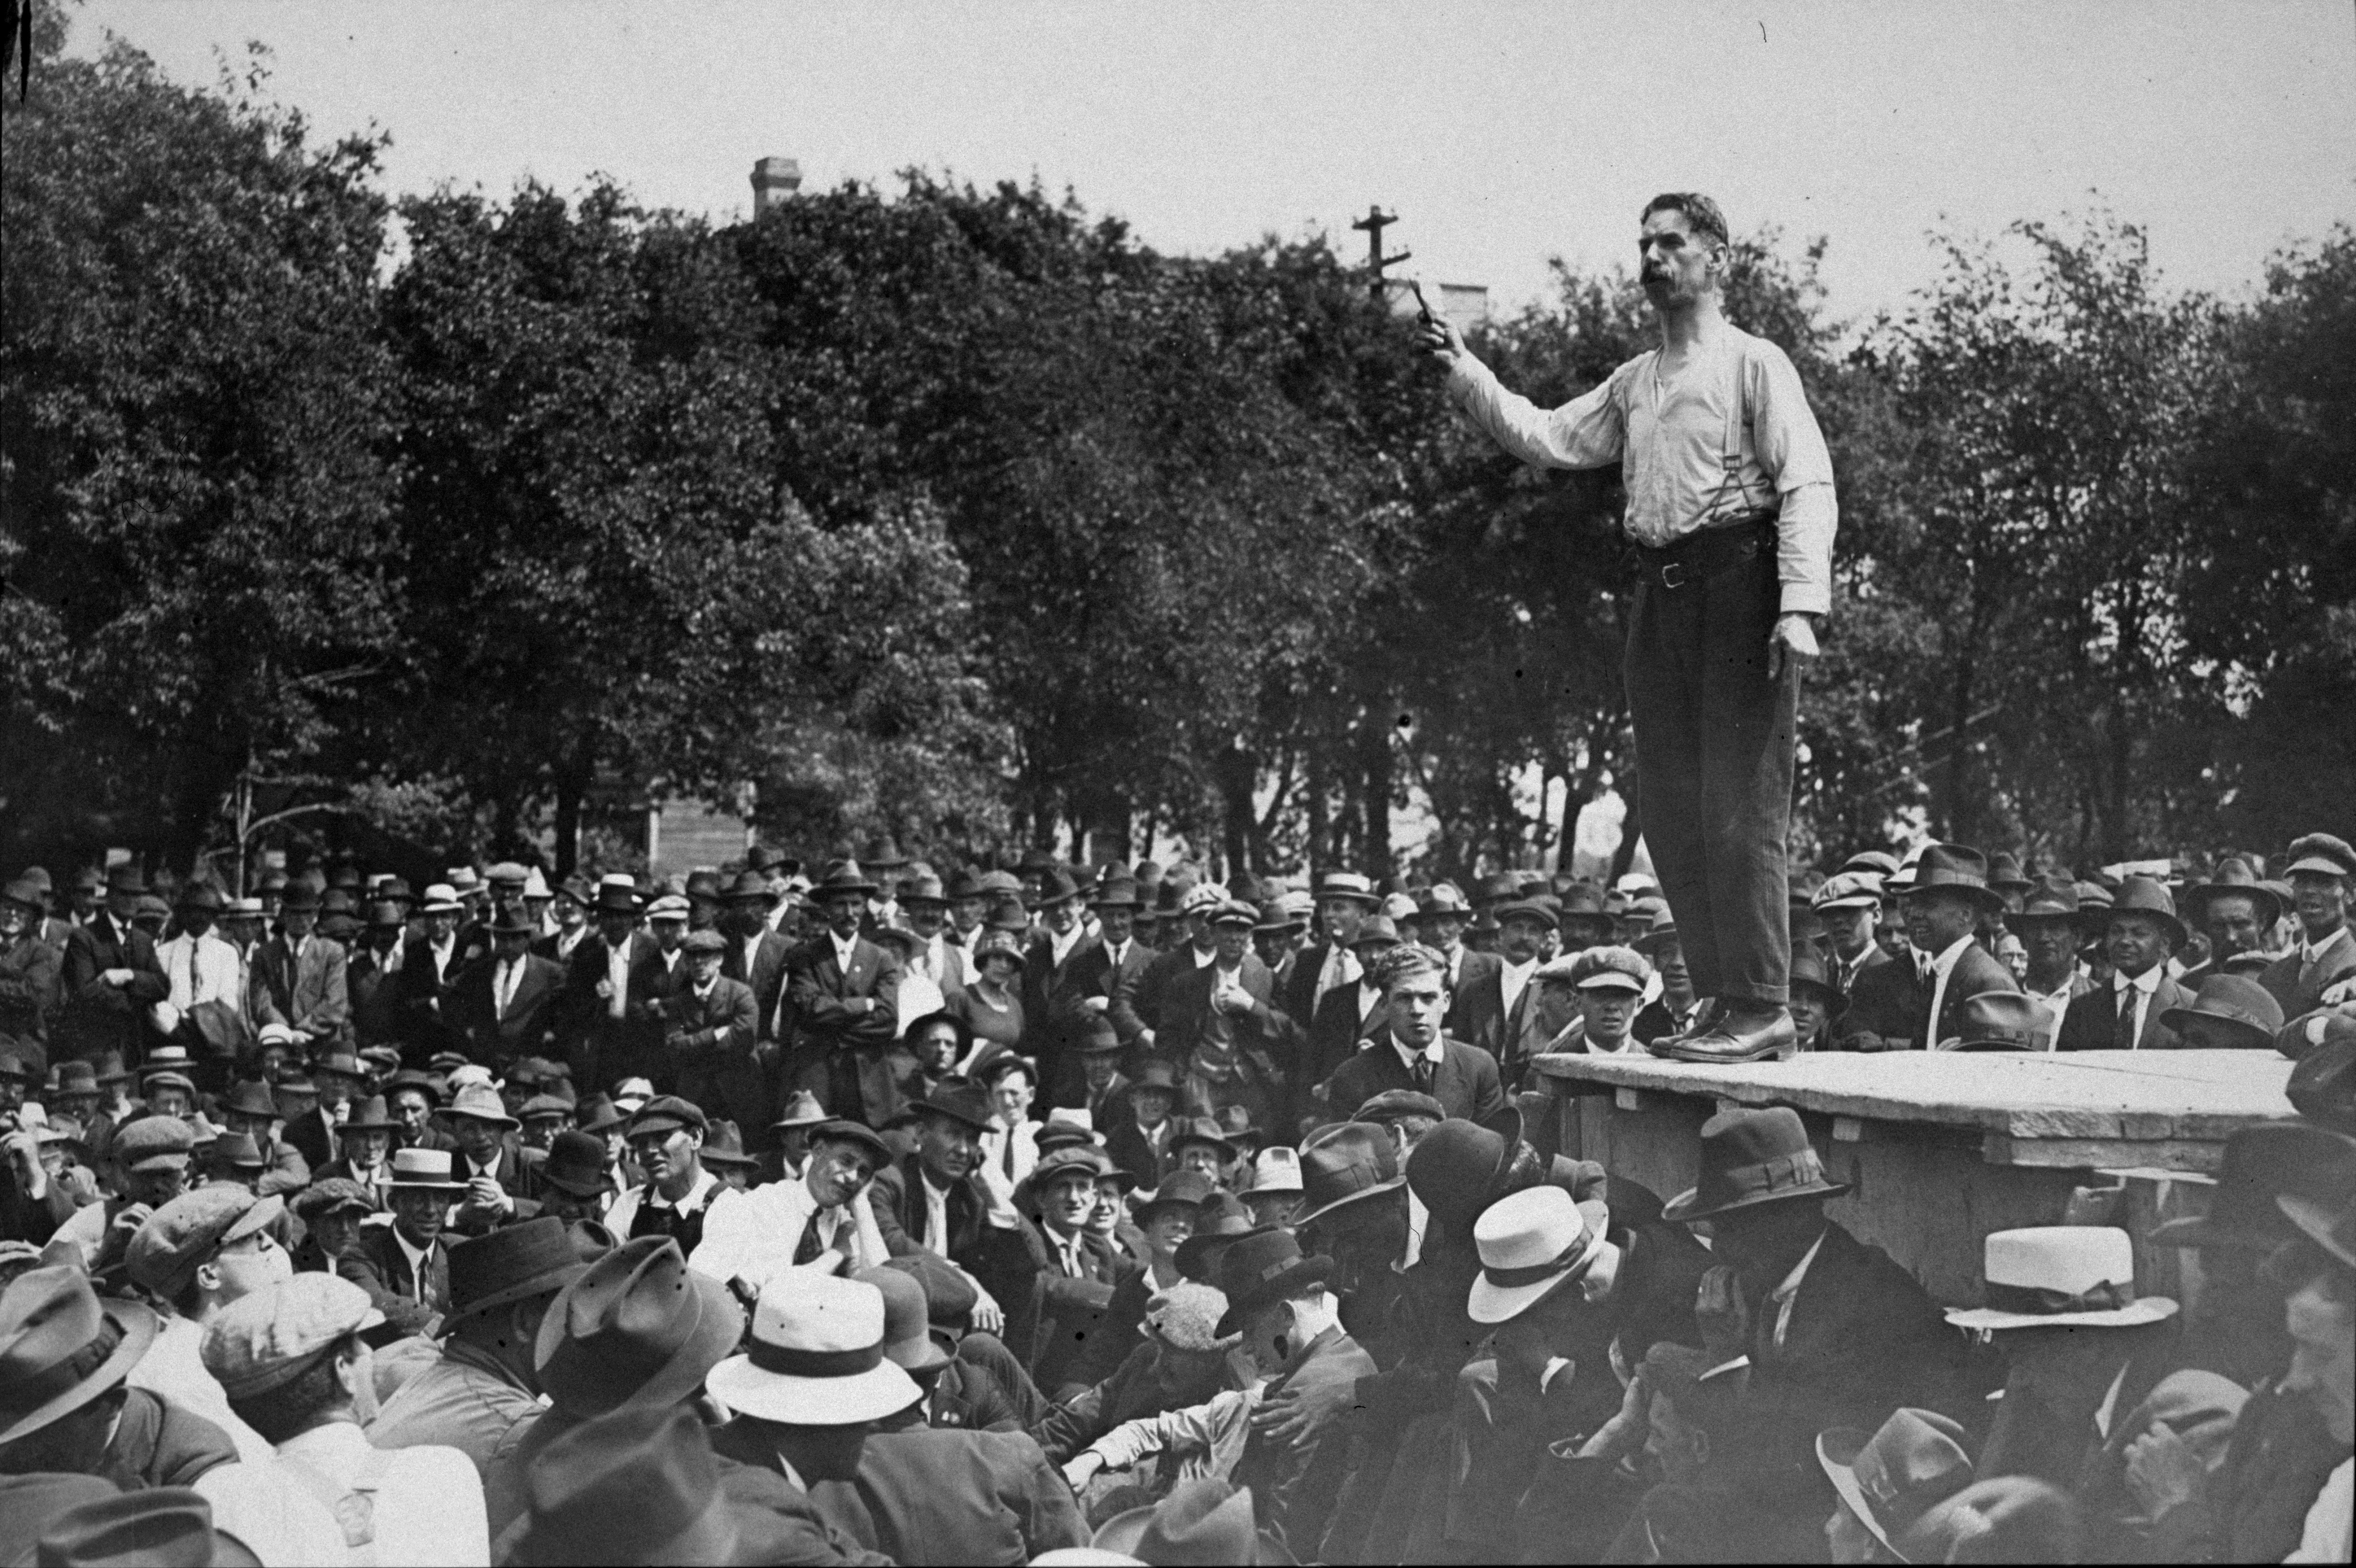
x: 1586, y: 432
x: 1788, y: 444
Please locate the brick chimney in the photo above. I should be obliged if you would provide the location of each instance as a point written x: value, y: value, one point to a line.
x: 773, y: 179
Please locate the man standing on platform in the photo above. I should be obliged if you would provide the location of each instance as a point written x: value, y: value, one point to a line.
x: 1731, y: 513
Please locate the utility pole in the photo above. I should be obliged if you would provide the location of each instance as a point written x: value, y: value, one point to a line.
x: 1372, y: 226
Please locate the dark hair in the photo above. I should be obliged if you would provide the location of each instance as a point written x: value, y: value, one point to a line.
x: 298, y: 1404
x: 1701, y: 214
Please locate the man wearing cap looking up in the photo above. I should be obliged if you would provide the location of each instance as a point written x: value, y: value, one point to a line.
x: 2322, y: 868
x: 295, y: 1367
x: 2142, y: 931
x: 110, y: 977
x: 934, y: 1202
x: 198, y: 1254
x: 303, y: 971
x: 842, y: 990
x: 484, y: 1385
x: 665, y: 1136
x: 749, y: 1238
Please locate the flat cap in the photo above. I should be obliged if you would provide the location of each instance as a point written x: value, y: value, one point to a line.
x: 332, y: 1195
x: 1393, y: 1102
x: 665, y: 1112
x: 166, y: 1252
x: 704, y: 942
x: 670, y: 906
x: 1611, y: 968
x: 273, y: 1335
x: 154, y: 1143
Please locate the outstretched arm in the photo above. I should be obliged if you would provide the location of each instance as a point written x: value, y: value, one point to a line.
x: 1586, y: 432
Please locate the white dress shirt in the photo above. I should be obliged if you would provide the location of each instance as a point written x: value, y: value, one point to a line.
x: 1940, y: 967
x: 1341, y: 967
x: 1060, y: 947
x: 2137, y: 990
x: 509, y: 977
x: 1514, y: 977
x: 201, y: 969
x: 617, y: 978
x: 843, y: 950
x: 936, y: 1216
x: 428, y: 1500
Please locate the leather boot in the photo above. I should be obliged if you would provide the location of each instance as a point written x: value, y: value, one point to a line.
x: 1735, y: 1037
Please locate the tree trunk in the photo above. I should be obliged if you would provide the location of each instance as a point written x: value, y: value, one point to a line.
x: 1375, y: 749
x: 1236, y: 768
x: 572, y: 781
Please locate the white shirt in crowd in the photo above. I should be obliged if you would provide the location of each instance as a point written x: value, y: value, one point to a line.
x: 201, y: 969
x: 427, y: 1502
x: 2138, y: 991
x: 1940, y: 967
x: 1513, y: 977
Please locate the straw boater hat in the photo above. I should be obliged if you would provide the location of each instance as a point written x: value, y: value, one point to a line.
x: 1531, y: 1245
x: 815, y: 1357
x: 423, y: 1169
x: 2053, y: 1276
x: 1894, y: 1477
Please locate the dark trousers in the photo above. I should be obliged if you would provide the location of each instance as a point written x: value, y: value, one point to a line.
x: 1714, y: 770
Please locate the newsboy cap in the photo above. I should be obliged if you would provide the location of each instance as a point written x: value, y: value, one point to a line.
x: 271, y: 1338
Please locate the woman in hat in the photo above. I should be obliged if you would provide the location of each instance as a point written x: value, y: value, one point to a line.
x: 991, y: 1005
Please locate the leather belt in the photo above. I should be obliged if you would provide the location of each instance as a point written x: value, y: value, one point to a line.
x: 1704, y: 554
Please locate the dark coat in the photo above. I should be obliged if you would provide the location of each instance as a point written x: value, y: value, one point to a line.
x: 1067, y: 1311
x: 159, y: 1444
x: 722, y: 1023
x: 1890, y: 1008
x: 382, y: 1253
x: 1276, y: 1470
x: 2093, y: 1019
x: 1129, y: 1149
x: 431, y: 1008
x: 530, y: 1026
x: 1335, y: 1034
x: 95, y: 1016
x: 1054, y: 1003
x: 30, y: 978
x: 376, y: 1017
x: 941, y: 1496
x: 312, y: 993
x: 1466, y: 1083
x: 1187, y: 1014
x: 1118, y: 984
x: 1476, y: 1003
x: 311, y: 1135
x: 992, y: 1255
x: 767, y: 978
x: 849, y: 1059
x: 2301, y: 989
x: 1148, y: 998
x: 1299, y: 997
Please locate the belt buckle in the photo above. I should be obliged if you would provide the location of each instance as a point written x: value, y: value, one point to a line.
x: 1672, y: 575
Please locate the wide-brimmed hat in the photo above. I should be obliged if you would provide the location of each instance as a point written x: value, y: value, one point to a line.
x: 481, y: 1102
x: 2262, y: 1162
x: 61, y: 1347
x: 2233, y: 876
x: 634, y: 1485
x: 425, y: 1169
x: 842, y: 877
x: 2050, y: 1276
x: 1751, y: 1157
x: 74, y: 1078
x: 815, y: 1357
x: 2147, y: 896
x: 1116, y: 893
x: 960, y: 1100
x: 1809, y: 973
x: 1660, y: 930
x: 1277, y: 1169
x: 802, y: 1110
x: 2050, y: 897
x: 238, y: 1151
x: 1156, y: 1075
x: 513, y: 1263
x: 2002, y: 1020
x: 1345, y: 1164
x: 1208, y: 1521
x: 575, y: 1164
x: 909, y: 1343
x: 2234, y: 999
x: 1531, y: 1244
x: 637, y: 1325
x: 1264, y: 1267
x: 2329, y: 1226
x: 1957, y: 868
x: 1894, y: 1475
x: 1180, y: 1188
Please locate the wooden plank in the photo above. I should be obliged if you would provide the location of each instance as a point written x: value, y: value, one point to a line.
x: 2198, y: 1156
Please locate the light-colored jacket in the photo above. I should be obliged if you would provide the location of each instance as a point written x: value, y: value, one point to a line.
x: 1207, y: 1438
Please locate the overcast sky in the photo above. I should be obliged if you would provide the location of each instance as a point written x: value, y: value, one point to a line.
x: 1501, y: 133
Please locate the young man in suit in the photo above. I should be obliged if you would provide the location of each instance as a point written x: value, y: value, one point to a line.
x: 1060, y: 972
x: 1849, y: 907
x: 757, y: 956
x: 1082, y: 1270
x: 510, y: 1000
x: 1417, y: 1056
x: 596, y: 1031
x: 432, y: 967
x: 1118, y: 961
x: 2126, y: 1015
x: 1138, y: 1142
x: 110, y: 977
x: 2047, y: 924
x: 843, y: 992
x: 711, y: 1034
x: 303, y: 971
x: 369, y: 976
x: 2322, y: 869
x: 932, y: 1201
x: 1913, y: 1006
x: 1344, y: 899
x: 410, y: 1254
x: 1147, y: 1002
x: 1222, y: 1028
x: 1346, y: 1015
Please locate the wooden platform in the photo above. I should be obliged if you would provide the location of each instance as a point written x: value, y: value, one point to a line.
x: 1942, y: 1148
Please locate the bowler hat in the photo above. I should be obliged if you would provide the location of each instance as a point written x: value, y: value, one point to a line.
x: 2050, y: 1276
x: 2235, y: 1000
x: 638, y: 1325
x: 513, y: 1263
x: 1346, y: 1165
x: 2002, y: 1020
x: 1957, y: 868
x: 1894, y: 1475
x: 61, y: 1347
x: 1265, y: 1267
x: 1752, y: 1156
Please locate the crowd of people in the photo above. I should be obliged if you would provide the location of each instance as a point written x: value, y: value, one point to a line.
x: 1110, y: 1214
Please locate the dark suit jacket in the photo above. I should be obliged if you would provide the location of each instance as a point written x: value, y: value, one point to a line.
x: 1152, y: 987
x: 1129, y: 1149
x: 846, y: 1057
x: 1118, y: 983
x: 995, y: 1257
x: 2301, y: 993
x: 97, y: 1017
x: 1186, y: 1014
x: 312, y: 994
x: 310, y: 1135
x: 2093, y: 1019
x: 1275, y: 1471
x: 928, y: 1495
x: 1891, y: 1002
x: 373, y: 999
x: 528, y: 1028
x: 1300, y: 995
x: 383, y: 1253
x: 1466, y: 1083
x: 29, y: 973
x: 766, y: 979
x: 722, y: 1022
x: 1067, y: 1312
x: 1333, y: 1037
x: 1476, y: 1004
x: 432, y: 1010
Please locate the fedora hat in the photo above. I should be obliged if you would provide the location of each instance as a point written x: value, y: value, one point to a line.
x: 636, y: 1324
x: 815, y: 1357
x: 2049, y: 1276
x: 1276, y: 920
x: 1531, y: 1244
x: 2233, y: 876
x: 2236, y: 1000
x: 481, y: 1102
x: 1659, y: 931
x: 252, y: 1097
x: 1894, y: 1475
x: 61, y: 1347
x: 1180, y: 1188
x: 634, y: 1485
x: 909, y: 1343
x: 1208, y: 1521
x: 2332, y: 1226
x: 1154, y: 1074
x: 194, y: 896
x: 802, y: 1110
x: 1752, y: 1156
x: 513, y: 1263
x: 2261, y: 1161
x: 2147, y: 896
x: 2003, y: 873
x: 576, y: 1164
x: 1116, y: 892
x: 1056, y: 887
x: 1265, y: 1266
x: 925, y: 890
x: 1199, y: 1130
x: 842, y: 877
x: 75, y: 1077
x: 1223, y: 1220
x: 723, y: 1145
x: 238, y: 1151
x: 747, y: 886
x: 1809, y: 973
x: 2002, y: 1020
x: 1350, y: 1163
x: 960, y: 1100
x: 1456, y: 1167
x: 426, y: 1169
x: 1957, y: 868
x: 2050, y: 897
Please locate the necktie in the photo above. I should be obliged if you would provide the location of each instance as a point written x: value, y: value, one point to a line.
x: 1006, y: 1160
x: 808, y: 1249
x: 1423, y: 1074
x: 2124, y: 1034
